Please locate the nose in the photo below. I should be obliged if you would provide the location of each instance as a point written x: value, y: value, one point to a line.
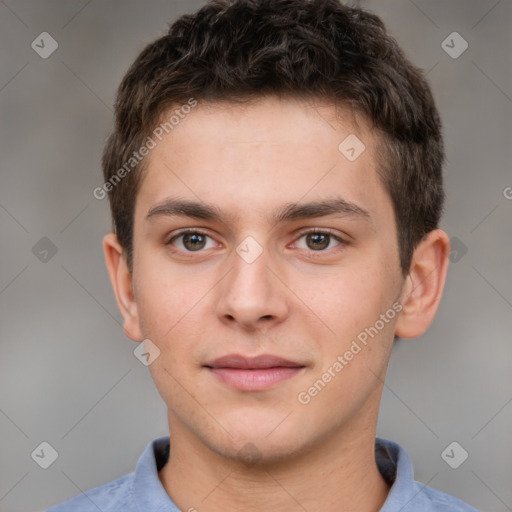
x: 251, y: 295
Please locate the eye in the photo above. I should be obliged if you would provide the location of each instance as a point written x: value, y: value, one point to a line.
x: 317, y: 240
x: 191, y: 241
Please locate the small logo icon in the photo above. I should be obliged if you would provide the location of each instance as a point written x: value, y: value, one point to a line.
x: 146, y: 352
x: 249, y: 250
x: 454, y: 45
x: 45, y: 455
x: 351, y: 147
x: 44, y: 45
x: 44, y: 250
x: 249, y: 453
x: 458, y: 249
x: 454, y: 455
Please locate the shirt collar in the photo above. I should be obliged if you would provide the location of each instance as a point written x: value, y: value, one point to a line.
x: 396, y: 468
x: 148, y: 491
x: 392, y: 461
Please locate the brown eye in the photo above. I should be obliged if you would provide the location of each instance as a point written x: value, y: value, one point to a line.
x: 318, y: 241
x: 191, y: 241
x: 194, y: 241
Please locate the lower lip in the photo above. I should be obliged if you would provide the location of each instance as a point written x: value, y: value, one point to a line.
x: 254, y: 380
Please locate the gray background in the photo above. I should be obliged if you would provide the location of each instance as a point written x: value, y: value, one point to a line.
x: 68, y: 375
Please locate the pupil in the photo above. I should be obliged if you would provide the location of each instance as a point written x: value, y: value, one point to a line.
x: 195, y: 240
x: 320, y: 240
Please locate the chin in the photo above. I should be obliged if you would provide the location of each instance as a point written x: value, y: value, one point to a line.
x: 258, y: 444
x: 259, y: 453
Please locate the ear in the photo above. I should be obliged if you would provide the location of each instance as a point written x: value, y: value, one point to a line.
x: 121, y: 279
x: 424, y: 285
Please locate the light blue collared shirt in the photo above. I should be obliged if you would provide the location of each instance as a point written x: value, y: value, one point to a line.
x: 141, y: 490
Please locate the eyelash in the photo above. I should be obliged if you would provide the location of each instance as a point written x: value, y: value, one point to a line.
x: 324, y: 231
x: 341, y: 242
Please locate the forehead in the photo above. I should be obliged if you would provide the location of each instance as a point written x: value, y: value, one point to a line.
x: 246, y: 157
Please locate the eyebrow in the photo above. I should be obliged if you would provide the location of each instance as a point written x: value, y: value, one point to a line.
x: 289, y: 211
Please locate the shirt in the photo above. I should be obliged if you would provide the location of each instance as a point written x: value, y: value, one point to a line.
x: 142, y: 491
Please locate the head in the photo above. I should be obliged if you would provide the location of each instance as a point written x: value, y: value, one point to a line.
x: 273, y: 117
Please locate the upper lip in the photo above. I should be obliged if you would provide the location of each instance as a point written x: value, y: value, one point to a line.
x: 263, y: 361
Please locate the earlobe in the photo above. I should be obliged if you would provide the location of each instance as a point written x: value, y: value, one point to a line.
x: 122, y: 284
x: 424, y: 285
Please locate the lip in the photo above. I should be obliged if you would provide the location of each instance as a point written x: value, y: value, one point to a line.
x: 253, y: 373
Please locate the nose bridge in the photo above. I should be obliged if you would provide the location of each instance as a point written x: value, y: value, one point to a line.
x: 251, y: 294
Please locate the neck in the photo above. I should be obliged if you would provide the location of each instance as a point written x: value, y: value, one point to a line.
x: 338, y: 474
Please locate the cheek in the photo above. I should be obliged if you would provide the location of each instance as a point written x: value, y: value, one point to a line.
x: 165, y: 299
x: 353, y: 358
x: 349, y: 300
x: 172, y: 315
x: 351, y: 305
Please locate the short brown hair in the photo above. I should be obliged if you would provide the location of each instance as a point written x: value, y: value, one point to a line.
x: 231, y: 50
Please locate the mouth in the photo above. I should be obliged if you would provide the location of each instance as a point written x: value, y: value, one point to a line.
x: 253, y: 373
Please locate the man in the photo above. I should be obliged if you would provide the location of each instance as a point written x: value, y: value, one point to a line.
x: 274, y: 176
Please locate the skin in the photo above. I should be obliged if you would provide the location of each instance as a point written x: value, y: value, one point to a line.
x: 296, y: 301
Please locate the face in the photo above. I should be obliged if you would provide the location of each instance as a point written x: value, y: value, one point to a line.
x: 264, y: 254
